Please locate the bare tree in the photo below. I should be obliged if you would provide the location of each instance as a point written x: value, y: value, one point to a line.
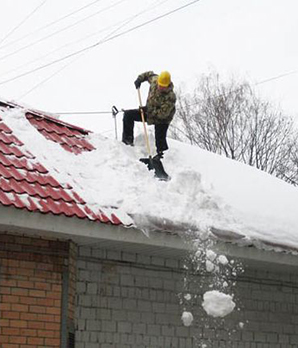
x: 230, y: 119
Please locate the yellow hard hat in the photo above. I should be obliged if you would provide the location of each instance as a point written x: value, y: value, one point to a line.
x: 164, y: 79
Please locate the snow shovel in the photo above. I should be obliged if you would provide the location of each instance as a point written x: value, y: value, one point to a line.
x: 152, y: 163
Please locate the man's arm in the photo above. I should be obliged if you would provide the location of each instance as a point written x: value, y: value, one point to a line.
x: 146, y: 76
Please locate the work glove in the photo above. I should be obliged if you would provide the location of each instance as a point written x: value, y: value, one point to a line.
x: 138, y: 83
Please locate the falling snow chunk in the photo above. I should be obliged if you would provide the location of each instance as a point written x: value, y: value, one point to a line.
x: 217, y: 304
x: 223, y: 260
x: 198, y: 253
x: 210, y: 255
x: 241, y: 325
x: 209, y: 266
x: 187, y: 297
x: 187, y: 318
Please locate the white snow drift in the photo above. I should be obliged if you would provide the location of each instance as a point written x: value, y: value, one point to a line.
x: 205, y: 190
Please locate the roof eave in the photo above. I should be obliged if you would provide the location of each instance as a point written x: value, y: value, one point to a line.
x: 256, y: 253
x: 100, y: 235
x: 253, y: 257
x: 86, y: 232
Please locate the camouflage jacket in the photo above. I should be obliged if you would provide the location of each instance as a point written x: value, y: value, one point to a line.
x: 160, y: 104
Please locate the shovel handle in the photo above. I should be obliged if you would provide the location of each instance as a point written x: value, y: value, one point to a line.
x: 144, y: 124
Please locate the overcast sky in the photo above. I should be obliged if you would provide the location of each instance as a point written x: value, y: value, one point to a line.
x: 253, y: 39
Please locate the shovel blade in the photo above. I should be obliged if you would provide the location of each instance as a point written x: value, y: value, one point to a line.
x: 156, y: 165
x: 148, y: 162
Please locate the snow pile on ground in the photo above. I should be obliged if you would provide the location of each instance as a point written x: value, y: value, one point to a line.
x: 205, y: 190
x: 217, y: 304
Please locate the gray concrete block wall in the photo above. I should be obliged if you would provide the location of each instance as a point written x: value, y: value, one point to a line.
x: 132, y: 301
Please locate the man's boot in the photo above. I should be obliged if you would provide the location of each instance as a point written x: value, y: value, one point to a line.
x: 127, y: 140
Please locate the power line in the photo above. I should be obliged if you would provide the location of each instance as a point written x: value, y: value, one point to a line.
x: 256, y: 84
x: 22, y: 22
x: 83, y: 113
x: 42, y: 82
x: 108, y: 112
x: 50, y: 24
x: 125, y: 21
x: 276, y: 77
x: 60, y: 30
x: 58, y: 49
x: 99, y: 43
x: 131, y: 18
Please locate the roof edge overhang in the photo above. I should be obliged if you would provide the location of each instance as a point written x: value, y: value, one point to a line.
x: 156, y: 242
x: 251, y: 256
x: 90, y: 233
x: 255, y: 253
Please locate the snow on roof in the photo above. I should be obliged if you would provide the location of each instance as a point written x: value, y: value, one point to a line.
x: 249, y: 206
x: 26, y: 184
x: 207, y: 192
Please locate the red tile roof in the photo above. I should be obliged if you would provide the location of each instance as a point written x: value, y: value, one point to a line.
x: 71, y: 138
x: 27, y: 184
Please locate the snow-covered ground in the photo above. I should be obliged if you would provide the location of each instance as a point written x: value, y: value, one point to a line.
x: 205, y: 190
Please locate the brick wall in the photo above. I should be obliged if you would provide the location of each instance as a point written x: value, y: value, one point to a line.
x: 31, y: 272
x: 136, y: 301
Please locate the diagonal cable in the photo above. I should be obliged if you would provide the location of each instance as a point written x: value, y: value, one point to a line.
x: 123, y: 23
x: 99, y: 43
x: 276, y: 77
x: 59, y: 49
x: 49, y: 24
x: 60, y: 30
x: 22, y: 22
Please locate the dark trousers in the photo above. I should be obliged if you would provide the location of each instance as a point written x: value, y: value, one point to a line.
x: 130, y: 116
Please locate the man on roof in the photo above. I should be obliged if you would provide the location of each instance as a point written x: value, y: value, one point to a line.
x: 159, y: 110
